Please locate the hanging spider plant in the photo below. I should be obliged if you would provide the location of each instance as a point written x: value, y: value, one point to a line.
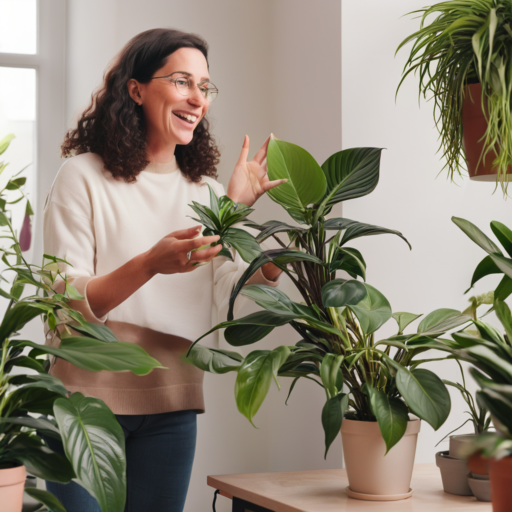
x: 468, y: 41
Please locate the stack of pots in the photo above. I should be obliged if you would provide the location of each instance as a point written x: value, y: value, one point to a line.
x: 457, y: 477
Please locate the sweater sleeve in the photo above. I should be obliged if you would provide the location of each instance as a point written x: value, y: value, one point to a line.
x: 68, y: 233
x: 226, y: 273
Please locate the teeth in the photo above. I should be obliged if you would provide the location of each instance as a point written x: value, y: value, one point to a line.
x: 188, y: 117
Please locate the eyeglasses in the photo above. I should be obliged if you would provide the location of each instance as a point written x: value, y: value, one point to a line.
x: 186, y: 86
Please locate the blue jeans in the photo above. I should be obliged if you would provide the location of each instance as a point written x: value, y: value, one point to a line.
x: 159, y: 452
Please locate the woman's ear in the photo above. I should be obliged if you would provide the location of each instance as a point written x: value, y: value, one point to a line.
x: 134, y: 91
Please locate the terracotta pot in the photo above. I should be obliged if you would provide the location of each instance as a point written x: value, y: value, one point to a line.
x: 474, y: 126
x: 500, y: 472
x: 478, y: 465
x: 12, y: 484
x: 369, y: 470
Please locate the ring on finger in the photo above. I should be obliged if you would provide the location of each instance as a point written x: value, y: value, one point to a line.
x: 189, y: 254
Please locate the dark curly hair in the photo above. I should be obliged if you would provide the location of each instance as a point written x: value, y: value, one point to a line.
x: 113, y: 124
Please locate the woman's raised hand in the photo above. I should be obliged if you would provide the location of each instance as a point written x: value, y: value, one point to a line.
x: 249, y: 180
x: 169, y: 255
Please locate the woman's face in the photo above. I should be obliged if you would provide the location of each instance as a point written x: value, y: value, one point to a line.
x: 164, y: 107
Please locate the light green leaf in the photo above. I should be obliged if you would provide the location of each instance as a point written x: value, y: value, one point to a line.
x: 306, y: 180
x: 4, y: 143
x: 373, y: 311
x: 254, y: 378
x: 477, y: 235
x: 94, y: 443
x: 441, y: 320
x: 404, y: 319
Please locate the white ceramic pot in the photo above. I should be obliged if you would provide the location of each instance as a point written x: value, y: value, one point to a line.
x: 369, y: 470
x: 12, y: 485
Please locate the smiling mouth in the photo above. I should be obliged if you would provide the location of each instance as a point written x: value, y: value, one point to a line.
x: 186, y: 117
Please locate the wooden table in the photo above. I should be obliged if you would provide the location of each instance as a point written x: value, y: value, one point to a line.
x: 324, y: 491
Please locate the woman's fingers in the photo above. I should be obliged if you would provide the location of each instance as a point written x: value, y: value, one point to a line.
x: 205, y: 255
x: 185, y: 234
x: 245, y: 151
x: 262, y: 153
x: 189, y: 245
x: 272, y: 184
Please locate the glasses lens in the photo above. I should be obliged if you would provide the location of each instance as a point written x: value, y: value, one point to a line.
x: 183, y: 86
x: 210, y: 92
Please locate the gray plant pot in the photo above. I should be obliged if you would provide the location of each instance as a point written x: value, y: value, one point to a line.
x: 481, y: 486
x: 459, y: 445
x: 454, y: 473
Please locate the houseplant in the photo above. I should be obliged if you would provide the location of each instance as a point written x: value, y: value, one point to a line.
x: 463, y: 56
x: 336, y: 321
x: 490, y: 353
x: 453, y: 463
x: 93, y: 440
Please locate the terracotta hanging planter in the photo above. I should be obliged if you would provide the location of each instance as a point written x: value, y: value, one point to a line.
x: 500, y: 472
x: 372, y: 475
x: 474, y: 126
x: 12, y: 485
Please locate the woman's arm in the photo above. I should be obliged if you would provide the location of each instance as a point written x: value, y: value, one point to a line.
x: 168, y: 256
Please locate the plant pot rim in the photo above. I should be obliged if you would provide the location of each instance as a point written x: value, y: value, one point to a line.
x: 12, y: 476
x: 368, y: 428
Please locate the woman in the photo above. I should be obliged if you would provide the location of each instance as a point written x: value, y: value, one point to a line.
x: 118, y: 212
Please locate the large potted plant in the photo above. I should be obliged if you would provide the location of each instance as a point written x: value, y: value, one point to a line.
x: 373, y: 384
x: 35, y: 405
x: 463, y: 56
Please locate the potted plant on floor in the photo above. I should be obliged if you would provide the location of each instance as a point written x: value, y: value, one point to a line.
x: 455, y: 473
x: 93, y: 440
x: 463, y: 56
x: 336, y: 322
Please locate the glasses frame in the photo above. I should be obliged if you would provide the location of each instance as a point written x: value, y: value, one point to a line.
x: 198, y: 85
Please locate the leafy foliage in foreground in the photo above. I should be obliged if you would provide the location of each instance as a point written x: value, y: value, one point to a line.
x: 337, y: 319
x: 85, y: 426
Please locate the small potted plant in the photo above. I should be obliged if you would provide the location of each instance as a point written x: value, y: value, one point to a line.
x: 453, y: 463
x: 463, y: 56
x: 374, y: 384
x: 35, y: 405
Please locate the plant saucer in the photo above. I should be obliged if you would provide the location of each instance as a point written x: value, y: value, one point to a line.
x: 377, y: 497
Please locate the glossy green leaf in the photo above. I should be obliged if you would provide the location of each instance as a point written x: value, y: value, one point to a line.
x: 485, y: 268
x: 20, y: 314
x: 373, y: 311
x: 404, y: 319
x: 476, y: 235
x: 504, y: 289
x: 39, y: 460
x: 435, y: 321
x: 34, y: 400
x: 392, y: 416
x: 359, y: 229
x: 504, y: 264
x: 349, y: 260
x: 94, y: 443
x: 40, y: 424
x: 98, y: 331
x: 505, y: 317
x: 254, y: 378
x: 425, y: 394
x: 214, y: 360
x: 46, y: 498
x: 94, y: 355
x: 306, y: 181
x: 271, y: 228
x: 243, y: 242
x: 485, y: 356
x: 351, y: 173
x: 332, y: 418
x: 24, y: 362
x: 45, y: 381
x: 279, y: 257
x: 503, y: 234
x: 341, y: 292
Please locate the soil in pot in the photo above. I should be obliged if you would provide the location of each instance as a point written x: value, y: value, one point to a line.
x: 474, y: 126
x: 371, y: 472
x: 12, y: 485
x: 454, y: 473
x: 500, y: 472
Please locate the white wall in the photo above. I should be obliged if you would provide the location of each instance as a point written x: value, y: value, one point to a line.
x: 409, y: 198
x: 266, y: 57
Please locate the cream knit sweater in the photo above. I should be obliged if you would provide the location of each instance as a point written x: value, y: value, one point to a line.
x: 98, y: 223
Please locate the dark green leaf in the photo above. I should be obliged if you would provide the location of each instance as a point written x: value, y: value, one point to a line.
x: 485, y: 267
x: 214, y: 360
x: 373, y: 311
x: 504, y: 289
x: 40, y: 424
x: 243, y: 242
x: 476, y: 235
x: 503, y: 234
x: 340, y: 292
x: 46, y: 498
x: 97, y: 331
x: 332, y: 418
